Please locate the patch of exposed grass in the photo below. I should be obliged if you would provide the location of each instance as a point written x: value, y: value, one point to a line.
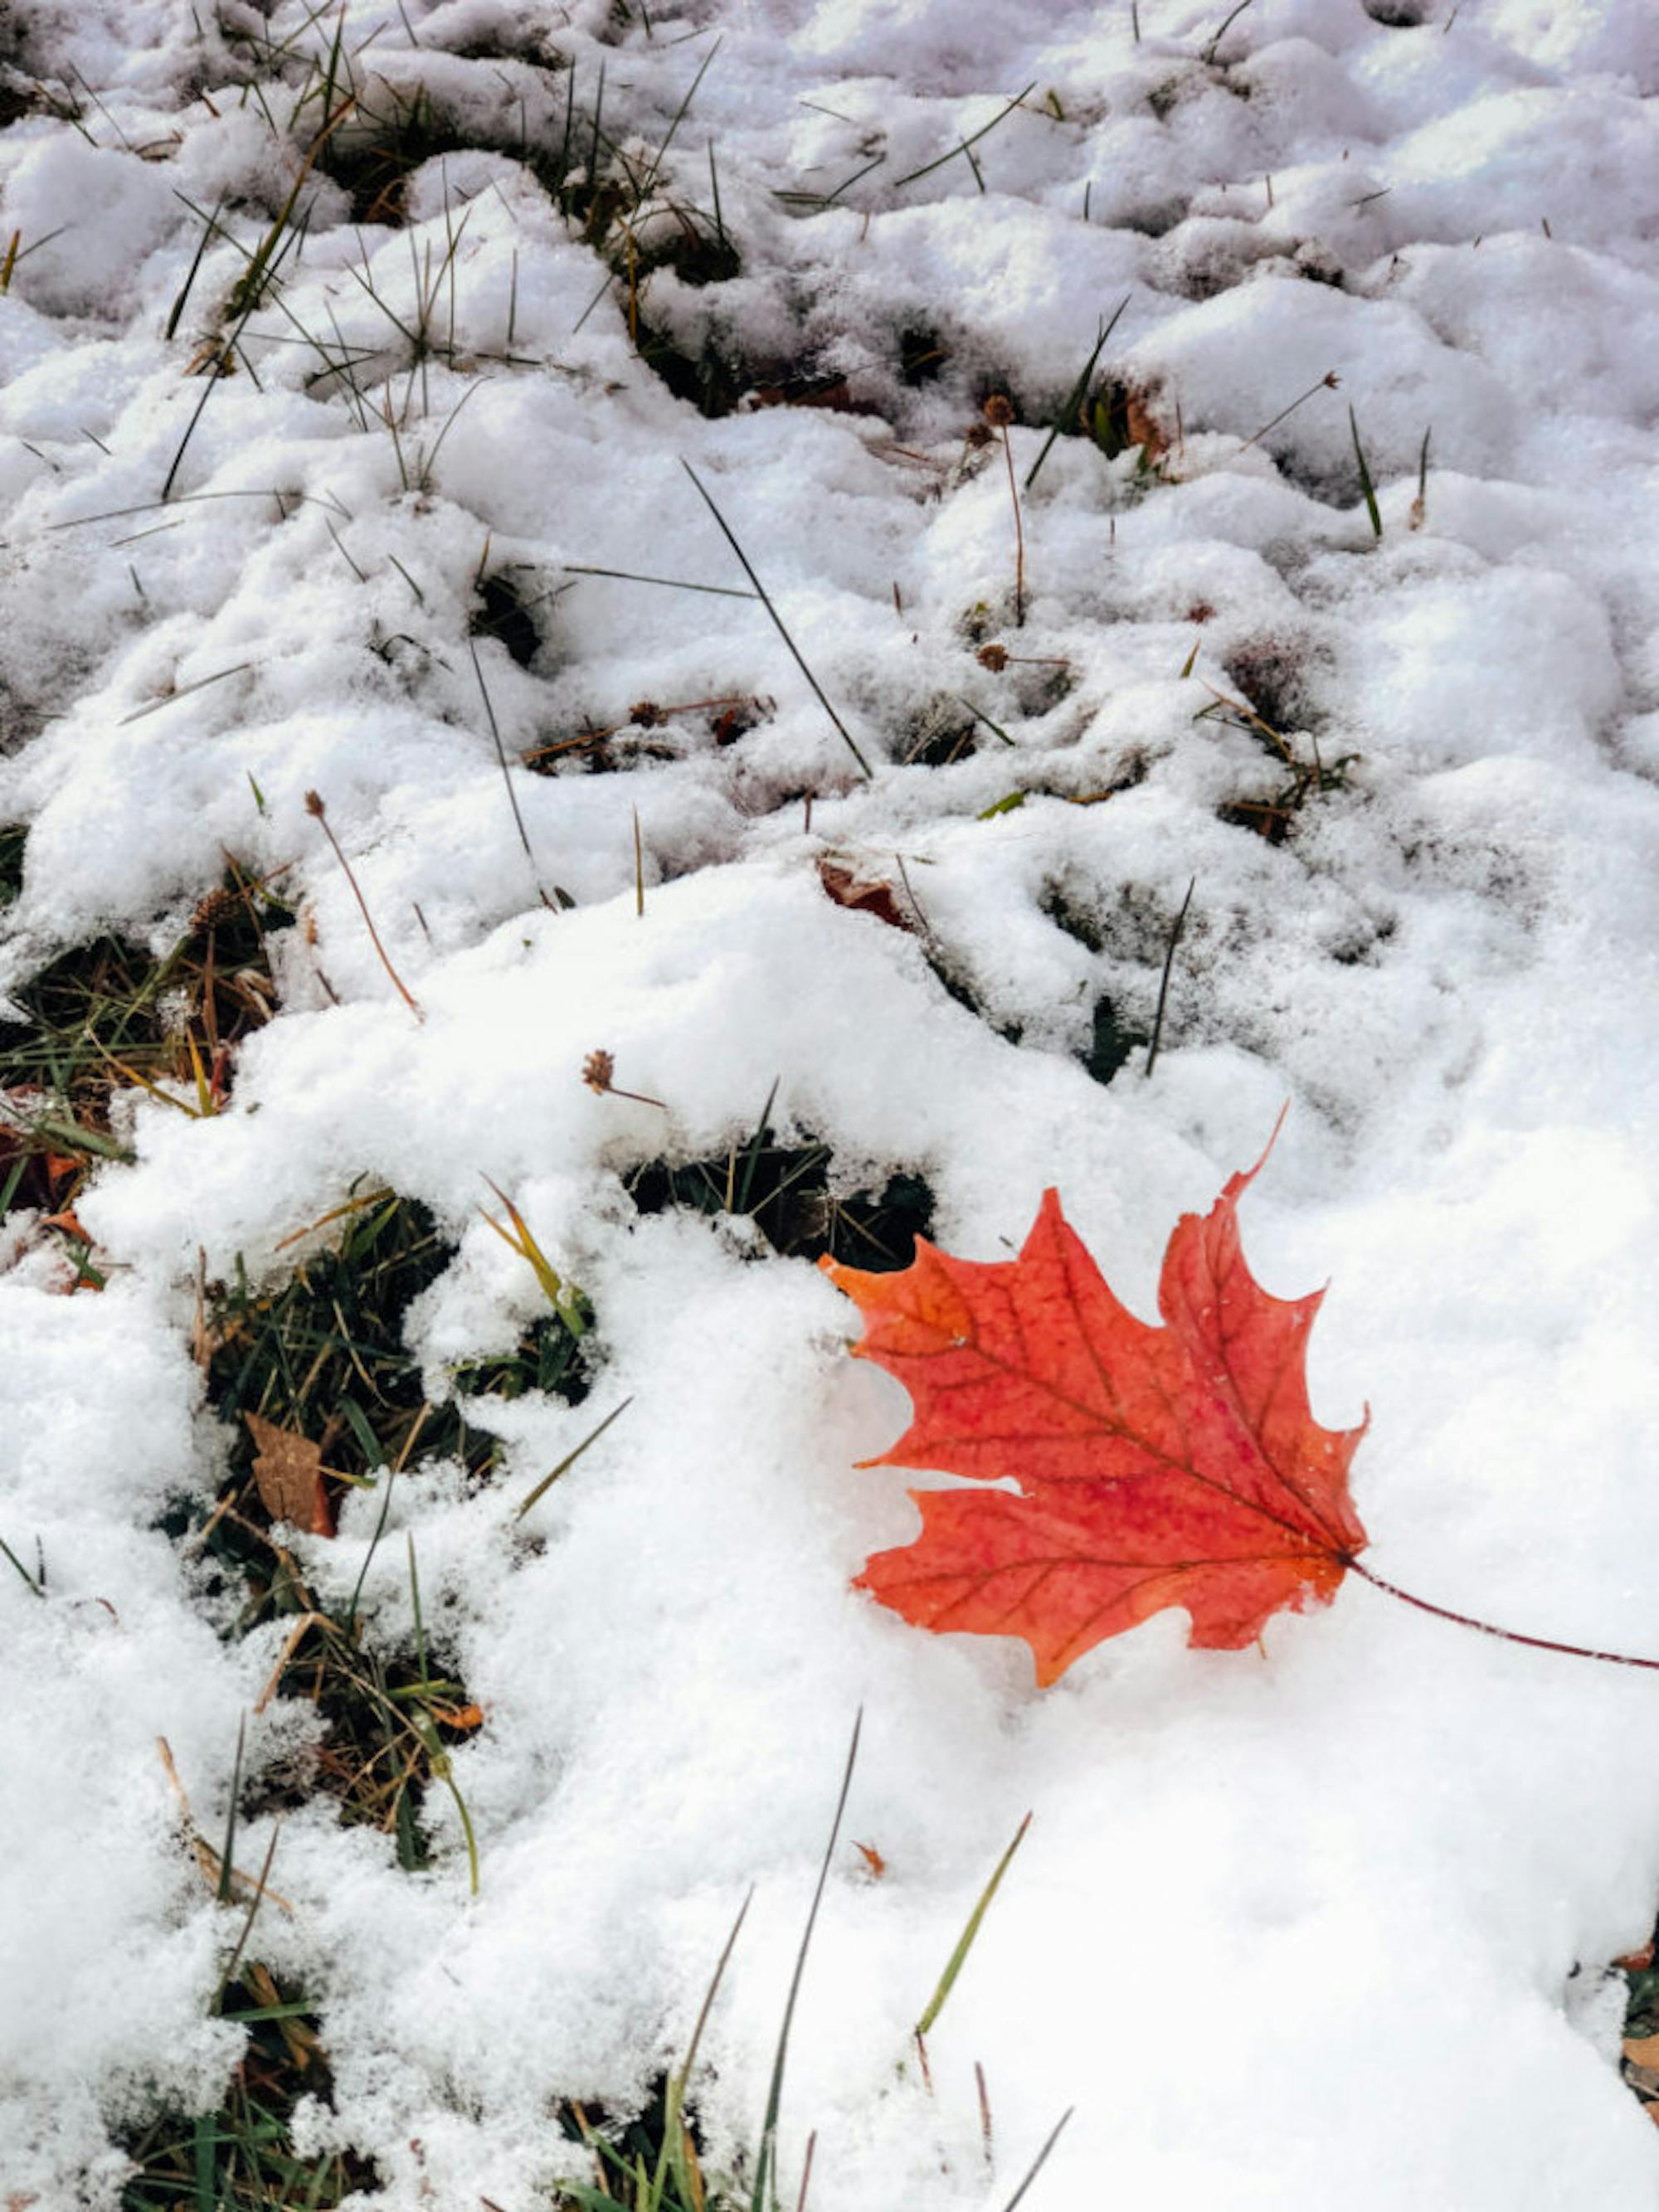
x: 785, y: 1189
x: 241, y: 2154
x: 388, y: 136
x: 110, y: 1016
x: 1306, y: 774
x: 321, y: 1358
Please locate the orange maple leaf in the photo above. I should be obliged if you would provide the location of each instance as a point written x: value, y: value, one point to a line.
x: 1171, y: 1466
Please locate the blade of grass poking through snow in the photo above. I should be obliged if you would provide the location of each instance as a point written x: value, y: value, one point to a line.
x: 570, y: 1459
x: 437, y: 1761
x: 415, y: 1602
x: 564, y: 1298
x: 842, y: 729
x: 1365, y: 484
x: 219, y: 676
x: 1079, y: 392
x: 507, y: 777
x: 963, y: 145
x: 737, y: 1198
x: 228, y: 1856
x: 996, y: 728
x: 373, y: 1545
x: 1164, y: 980
x: 1041, y: 2160
x: 954, y: 1964
x: 765, y: 2195
x: 208, y: 229
x: 253, y: 1905
x: 672, y: 2158
x: 1420, y: 504
x: 669, y: 583
x: 29, y: 1583
x: 680, y: 112
x: 1222, y: 29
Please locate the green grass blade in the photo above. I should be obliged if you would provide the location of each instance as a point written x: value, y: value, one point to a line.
x: 228, y: 1856
x: 570, y: 1458
x: 954, y: 1964
x: 1075, y: 398
x: 1365, y: 484
x: 765, y: 2190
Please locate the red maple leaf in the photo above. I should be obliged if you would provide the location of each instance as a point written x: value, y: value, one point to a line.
x: 1171, y: 1466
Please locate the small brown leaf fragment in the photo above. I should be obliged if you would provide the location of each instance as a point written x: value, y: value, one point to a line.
x: 1145, y: 429
x: 872, y: 1859
x: 849, y: 889
x: 288, y: 1471
x: 459, y: 1717
x: 1643, y: 2051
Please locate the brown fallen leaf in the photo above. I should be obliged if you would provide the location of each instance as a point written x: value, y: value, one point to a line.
x: 1643, y: 2051
x: 863, y: 894
x: 288, y: 1471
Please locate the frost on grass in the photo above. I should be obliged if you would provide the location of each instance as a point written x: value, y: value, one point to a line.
x: 339, y: 350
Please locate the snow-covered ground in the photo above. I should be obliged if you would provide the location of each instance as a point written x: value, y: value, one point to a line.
x: 1326, y: 1922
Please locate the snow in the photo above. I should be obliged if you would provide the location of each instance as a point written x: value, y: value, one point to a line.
x: 1331, y: 1919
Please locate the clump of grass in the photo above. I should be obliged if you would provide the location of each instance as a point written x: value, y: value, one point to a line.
x: 110, y: 1016
x: 389, y: 135
x: 1306, y: 776
x: 241, y: 2154
x: 242, y: 2151
x: 619, y: 202
x: 323, y: 1351
x: 652, y: 2160
x: 785, y: 1189
x: 320, y: 1356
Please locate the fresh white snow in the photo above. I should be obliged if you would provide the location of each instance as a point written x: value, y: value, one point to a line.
x: 1324, y: 1923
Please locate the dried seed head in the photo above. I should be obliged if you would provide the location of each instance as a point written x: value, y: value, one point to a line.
x: 646, y: 715
x: 979, y: 433
x: 314, y: 803
x: 215, y: 907
x: 999, y: 411
x: 994, y: 657
x: 598, y: 1069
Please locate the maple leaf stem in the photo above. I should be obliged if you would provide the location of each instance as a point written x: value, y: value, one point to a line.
x: 1487, y: 1628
